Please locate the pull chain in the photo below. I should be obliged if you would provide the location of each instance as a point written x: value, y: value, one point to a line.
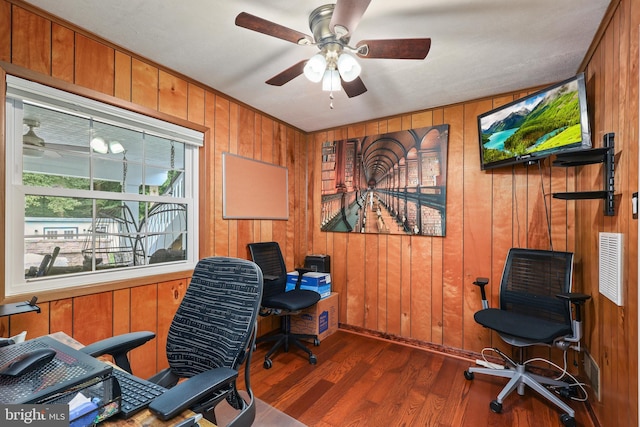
x: 124, y: 170
x: 173, y: 156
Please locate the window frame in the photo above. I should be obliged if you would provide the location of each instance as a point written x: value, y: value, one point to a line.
x: 90, y: 282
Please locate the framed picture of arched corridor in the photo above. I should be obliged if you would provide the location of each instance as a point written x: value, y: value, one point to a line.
x: 393, y: 183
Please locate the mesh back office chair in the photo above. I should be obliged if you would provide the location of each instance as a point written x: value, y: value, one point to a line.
x: 276, y: 301
x: 210, y: 337
x: 535, y: 309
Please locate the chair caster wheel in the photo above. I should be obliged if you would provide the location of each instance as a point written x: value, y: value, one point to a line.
x: 267, y: 364
x: 313, y: 360
x: 316, y: 342
x: 495, y: 406
x: 567, y: 421
x: 468, y: 375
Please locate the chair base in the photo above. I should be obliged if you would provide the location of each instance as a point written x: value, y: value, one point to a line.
x: 518, y: 378
x: 284, y: 339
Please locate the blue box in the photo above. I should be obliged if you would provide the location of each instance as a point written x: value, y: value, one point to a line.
x: 317, y: 282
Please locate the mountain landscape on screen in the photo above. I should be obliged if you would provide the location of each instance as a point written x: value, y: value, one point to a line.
x: 545, y: 122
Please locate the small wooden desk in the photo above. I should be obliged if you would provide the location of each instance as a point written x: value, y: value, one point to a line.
x: 143, y: 418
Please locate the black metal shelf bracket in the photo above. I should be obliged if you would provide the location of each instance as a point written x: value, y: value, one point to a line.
x: 19, y: 307
x: 605, y: 155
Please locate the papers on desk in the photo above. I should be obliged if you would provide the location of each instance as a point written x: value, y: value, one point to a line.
x: 83, y: 411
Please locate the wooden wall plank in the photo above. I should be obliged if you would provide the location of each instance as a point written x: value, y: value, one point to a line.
x: 144, y: 84
x: 172, y: 95
x: 62, y: 53
x: 393, y: 261
x: 95, y: 65
x: 437, y: 292
x: 61, y: 316
x: 421, y: 285
x: 221, y: 139
x: 477, y: 212
x: 355, y: 255
x: 371, y: 281
x: 92, y: 317
x: 196, y: 107
x: 339, y: 272
x: 405, y: 286
x: 144, y: 317
x: 123, y: 76
x: 31, y: 41
x: 453, y: 243
x: 170, y: 295
x: 122, y: 308
x: 5, y: 31
x: 382, y: 282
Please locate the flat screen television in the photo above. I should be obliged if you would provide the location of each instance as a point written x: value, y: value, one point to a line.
x: 547, y: 122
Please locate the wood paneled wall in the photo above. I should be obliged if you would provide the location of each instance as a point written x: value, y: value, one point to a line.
x: 47, y: 45
x: 420, y: 288
x: 612, y: 332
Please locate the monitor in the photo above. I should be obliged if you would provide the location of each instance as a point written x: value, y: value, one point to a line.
x: 549, y: 121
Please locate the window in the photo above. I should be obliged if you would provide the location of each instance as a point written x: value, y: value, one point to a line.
x: 94, y: 193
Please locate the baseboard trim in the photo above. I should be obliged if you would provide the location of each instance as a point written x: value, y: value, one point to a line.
x: 471, y: 356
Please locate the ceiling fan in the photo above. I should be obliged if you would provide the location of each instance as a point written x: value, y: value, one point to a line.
x: 332, y: 26
x: 32, y: 144
x: 35, y: 146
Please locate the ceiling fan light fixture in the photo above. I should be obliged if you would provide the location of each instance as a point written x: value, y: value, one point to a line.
x: 99, y: 145
x: 30, y: 138
x: 331, y: 81
x: 315, y: 67
x: 348, y: 67
x: 115, y: 147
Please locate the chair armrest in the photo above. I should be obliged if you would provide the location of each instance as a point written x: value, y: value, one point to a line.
x: 189, y: 392
x: 6, y: 341
x: 574, y: 297
x: 301, y: 272
x: 482, y: 282
x: 118, y: 347
x: 577, y: 299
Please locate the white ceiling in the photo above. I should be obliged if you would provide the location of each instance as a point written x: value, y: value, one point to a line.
x: 478, y: 48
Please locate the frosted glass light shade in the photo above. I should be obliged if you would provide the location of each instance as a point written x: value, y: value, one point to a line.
x: 99, y: 145
x: 115, y: 147
x: 331, y: 81
x: 348, y: 67
x: 314, y: 68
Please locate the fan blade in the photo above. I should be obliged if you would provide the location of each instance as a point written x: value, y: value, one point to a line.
x: 288, y: 74
x: 347, y: 14
x: 394, y: 48
x: 354, y: 88
x: 269, y: 28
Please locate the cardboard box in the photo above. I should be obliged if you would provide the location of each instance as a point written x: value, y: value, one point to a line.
x: 318, y: 282
x: 320, y: 320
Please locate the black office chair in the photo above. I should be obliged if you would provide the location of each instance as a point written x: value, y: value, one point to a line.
x: 275, y: 300
x: 212, y: 334
x: 535, y: 309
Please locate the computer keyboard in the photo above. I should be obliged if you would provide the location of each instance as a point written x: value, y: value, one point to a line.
x: 136, y: 392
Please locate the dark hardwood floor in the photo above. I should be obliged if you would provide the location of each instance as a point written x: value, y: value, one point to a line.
x: 365, y: 381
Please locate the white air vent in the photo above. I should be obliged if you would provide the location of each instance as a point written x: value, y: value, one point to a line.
x: 610, y: 266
